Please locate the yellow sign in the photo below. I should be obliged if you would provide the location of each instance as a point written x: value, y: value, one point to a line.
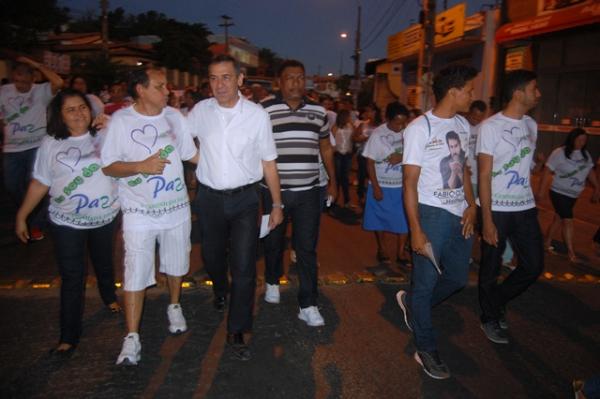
x: 450, y: 24
x: 394, y: 47
x: 404, y: 43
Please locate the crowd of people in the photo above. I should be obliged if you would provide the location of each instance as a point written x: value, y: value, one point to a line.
x: 432, y: 181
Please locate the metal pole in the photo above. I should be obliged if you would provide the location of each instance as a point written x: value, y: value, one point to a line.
x: 426, y: 54
x: 104, y: 23
x: 226, y: 24
x: 356, y: 57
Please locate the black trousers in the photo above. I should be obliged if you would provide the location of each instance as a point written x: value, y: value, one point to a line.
x: 228, y: 225
x: 70, y: 245
x: 304, y: 208
x: 523, y: 230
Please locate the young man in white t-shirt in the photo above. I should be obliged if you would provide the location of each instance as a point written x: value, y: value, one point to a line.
x: 144, y: 147
x: 23, y: 118
x: 440, y: 207
x: 505, y: 149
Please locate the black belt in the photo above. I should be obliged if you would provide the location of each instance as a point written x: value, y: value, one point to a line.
x: 230, y: 191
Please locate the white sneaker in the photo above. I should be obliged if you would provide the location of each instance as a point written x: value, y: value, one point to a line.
x: 177, y: 324
x: 311, y: 316
x: 131, y: 353
x: 272, y: 293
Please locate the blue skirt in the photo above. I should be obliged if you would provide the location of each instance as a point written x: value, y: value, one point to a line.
x: 387, y: 214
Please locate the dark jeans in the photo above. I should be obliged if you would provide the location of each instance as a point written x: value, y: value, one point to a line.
x: 343, y: 162
x: 523, y: 230
x: 228, y: 226
x: 362, y: 176
x: 305, y: 211
x: 18, y: 167
x: 69, y: 245
x: 428, y: 288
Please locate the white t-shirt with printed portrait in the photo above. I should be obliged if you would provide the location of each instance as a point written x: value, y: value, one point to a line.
x: 151, y: 201
x: 81, y: 196
x: 570, y: 173
x: 382, y: 143
x: 440, y: 147
x: 24, y: 116
x: 511, y: 143
x: 472, y: 161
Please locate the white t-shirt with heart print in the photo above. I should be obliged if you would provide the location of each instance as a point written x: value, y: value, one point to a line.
x: 81, y: 196
x: 151, y: 201
x: 511, y: 143
x: 24, y: 116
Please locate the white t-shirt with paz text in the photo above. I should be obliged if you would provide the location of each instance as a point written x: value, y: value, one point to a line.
x: 569, y: 173
x: 151, y: 201
x: 24, y: 116
x: 81, y: 196
x: 511, y: 143
x: 383, y: 143
x: 440, y: 147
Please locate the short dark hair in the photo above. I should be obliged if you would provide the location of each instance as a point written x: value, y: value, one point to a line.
x: 138, y: 77
x: 478, y: 105
x: 290, y: 64
x: 55, y: 125
x: 218, y: 59
x: 452, y: 135
x: 452, y: 77
x: 516, y: 80
x: 394, y: 109
x: 342, y: 118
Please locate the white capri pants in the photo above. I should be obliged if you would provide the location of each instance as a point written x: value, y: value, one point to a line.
x: 140, y: 247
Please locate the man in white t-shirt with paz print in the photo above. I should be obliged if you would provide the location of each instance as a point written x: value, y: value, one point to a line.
x: 23, y: 118
x: 441, y: 216
x: 144, y: 147
x: 505, y: 149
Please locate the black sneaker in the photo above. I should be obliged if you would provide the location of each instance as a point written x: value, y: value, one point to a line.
x: 401, y: 298
x: 432, y: 365
x: 502, y: 322
x: 494, y: 332
x: 238, y: 347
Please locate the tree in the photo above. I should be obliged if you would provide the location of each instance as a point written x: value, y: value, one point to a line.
x: 183, y: 46
x: 268, y: 62
x: 22, y: 20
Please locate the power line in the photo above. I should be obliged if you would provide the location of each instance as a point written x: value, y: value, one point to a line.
x: 384, y: 27
x: 385, y: 13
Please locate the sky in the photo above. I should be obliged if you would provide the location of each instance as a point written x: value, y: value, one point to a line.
x: 308, y: 30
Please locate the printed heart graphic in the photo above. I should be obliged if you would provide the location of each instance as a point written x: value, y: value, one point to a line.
x: 388, y: 141
x: 69, y: 158
x: 510, y: 137
x: 138, y: 135
x: 16, y: 102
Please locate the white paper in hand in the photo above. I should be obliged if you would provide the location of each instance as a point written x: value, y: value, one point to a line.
x: 264, y: 226
x: 429, y: 254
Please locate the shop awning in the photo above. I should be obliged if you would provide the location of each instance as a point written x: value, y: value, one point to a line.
x: 552, y: 22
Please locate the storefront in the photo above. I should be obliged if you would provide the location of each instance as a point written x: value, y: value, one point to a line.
x: 560, y: 40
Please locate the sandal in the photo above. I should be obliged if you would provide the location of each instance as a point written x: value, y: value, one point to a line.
x: 114, y: 307
x: 382, y: 258
x: 550, y: 249
x: 404, y: 262
x: 62, y: 353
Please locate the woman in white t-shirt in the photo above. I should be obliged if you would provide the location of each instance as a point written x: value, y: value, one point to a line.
x: 83, y: 206
x: 567, y: 169
x: 343, y: 131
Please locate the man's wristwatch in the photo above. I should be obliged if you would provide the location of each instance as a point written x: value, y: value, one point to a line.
x: 280, y: 206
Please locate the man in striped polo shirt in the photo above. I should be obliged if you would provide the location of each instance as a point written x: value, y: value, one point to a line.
x: 301, y: 132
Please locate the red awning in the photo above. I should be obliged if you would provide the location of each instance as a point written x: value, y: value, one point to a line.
x: 558, y: 20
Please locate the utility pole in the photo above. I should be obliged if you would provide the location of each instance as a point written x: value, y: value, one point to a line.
x: 226, y: 24
x: 426, y: 54
x: 104, y: 23
x: 356, y: 57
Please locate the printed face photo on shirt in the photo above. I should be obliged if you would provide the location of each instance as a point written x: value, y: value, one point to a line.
x: 452, y: 166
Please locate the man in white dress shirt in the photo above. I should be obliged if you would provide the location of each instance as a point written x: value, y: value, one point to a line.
x: 236, y: 150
